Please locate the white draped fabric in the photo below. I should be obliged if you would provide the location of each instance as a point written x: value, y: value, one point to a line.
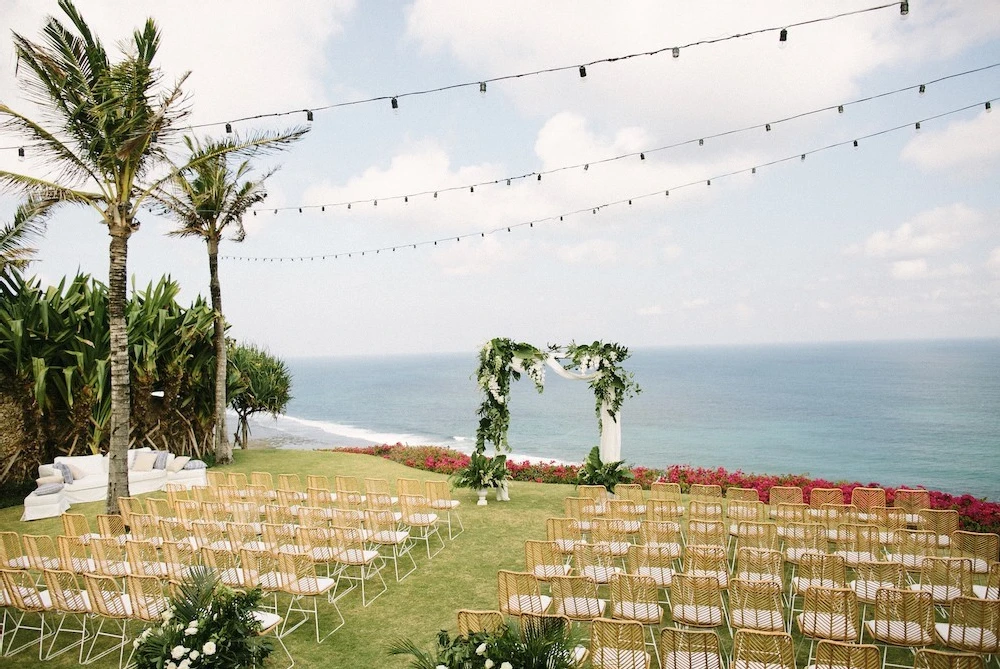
x: 611, y: 429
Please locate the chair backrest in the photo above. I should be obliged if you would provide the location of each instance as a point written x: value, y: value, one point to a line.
x: 438, y: 492
x: 756, y: 605
x: 705, y: 491
x: 822, y: 570
x: 204, y: 493
x: 663, y: 509
x: 912, y: 501
x: 706, y: 532
x: 844, y: 655
x: 665, y: 490
x: 179, y: 559
x: 344, y: 483
x: 617, y: 644
x: 946, y: 578
x: 698, y: 592
x: 705, y: 508
x: 263, y: 479
x: 789, y: 512
x: 471, y: 621
x: 374, y: 485
x: 565, y: 532
x: 66, y: 592
x: 22, y: 592
x: 735, y: 494
x: 581, y: 509
x: 290, y: 482
x: 911, y: 547
x: 12, y: 555
x: 707, y: 560
x: 631, y: 492
x: 757, y: 535
x: 746, y: 510
x: 416, y: 510
x: 803, y: 538
x: 41, y: 551
x: 830, y: 613
x: 941, y: 522
x: 980, y: 547
x: 784, y: 495
x: 109, y: 557
x: 147, y: 597
x: 867, y: 499
x: 518, y: 592
x: 820, y: 496
x: 76, y: 525
x: 575, y: 597
x: 903, y: 617
x: 406, y: 486
x: 870, y: 576
x: 318, y: 481
x: 660, y: 533
x: 543, y: 559
x: 277, y: 514
x: 689, y: 649
x: 106, y: 597
x: 770, y: 650
x: 973, y: 625
x: 759, y: 564
x: 635, y: 597
x: 73, y: 555
x: 313, y: 516
x: 927, y: 658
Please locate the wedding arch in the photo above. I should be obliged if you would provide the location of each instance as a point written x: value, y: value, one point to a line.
x: 599, y: 363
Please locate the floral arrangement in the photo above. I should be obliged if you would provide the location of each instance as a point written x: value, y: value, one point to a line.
x: 977, y: 515
x: 607, y: 474
x: 613, y: 384
x: 207, y: 625
x: 494, y: 375
x: 547, y: 646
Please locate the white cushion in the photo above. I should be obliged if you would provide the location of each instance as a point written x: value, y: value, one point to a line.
x: 42, y: 480
x: 143, y: 462
x: 177, y: 463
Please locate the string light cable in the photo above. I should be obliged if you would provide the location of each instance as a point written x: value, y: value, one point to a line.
x: 594, y: 209
x: 481, y: 84
x: 642, y: 154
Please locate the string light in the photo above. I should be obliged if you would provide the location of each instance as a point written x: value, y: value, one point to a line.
x: 395, y: 103
x: 767, y: 127
x: 229, y: 128
x: 482, y: 87
x: 989, y: 107
x: 922, y: 89
x: 674, y: 50
x: 904, y: 8
x: 583, y: 71
x: 783, y: 36
x: 593, y: 209
x: 840, y: 109
x: 309, y: 115
x: 20, y: 152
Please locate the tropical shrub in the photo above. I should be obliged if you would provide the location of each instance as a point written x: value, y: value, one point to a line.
x: 978, y: 515
x: 258, y: 383
x: 607, y: 474
x: 55, y: 370
x: 481, y: 472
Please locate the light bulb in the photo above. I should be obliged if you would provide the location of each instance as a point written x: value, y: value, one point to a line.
x: 482, y: 87
x: 583, y: 71
x: 783, y: 38
x: 677, y: 52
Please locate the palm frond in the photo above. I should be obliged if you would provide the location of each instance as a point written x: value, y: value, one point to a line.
x: 28, y: 224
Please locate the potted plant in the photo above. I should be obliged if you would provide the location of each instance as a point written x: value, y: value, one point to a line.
x: 607, y: 474
x: 481, y: 474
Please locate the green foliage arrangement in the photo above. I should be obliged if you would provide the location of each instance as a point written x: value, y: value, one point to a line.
x: 494, y: 376
x: 207, y: 626
x: 258, y: 383
x: 612, y: 384
x: 607, y: 474
x: 481, y: 472
x: 546, y: 646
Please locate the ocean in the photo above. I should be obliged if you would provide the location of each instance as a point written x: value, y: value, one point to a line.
x: 899, y: 413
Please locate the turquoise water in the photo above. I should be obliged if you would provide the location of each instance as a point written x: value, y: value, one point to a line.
x: 900, y: 413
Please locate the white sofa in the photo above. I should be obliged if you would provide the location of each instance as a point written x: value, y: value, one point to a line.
x: 92, y: 485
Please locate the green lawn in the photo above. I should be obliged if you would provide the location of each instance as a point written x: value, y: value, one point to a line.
x: 463, y: 575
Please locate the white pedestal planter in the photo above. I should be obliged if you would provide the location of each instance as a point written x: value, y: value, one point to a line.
x: 503, y: 495
x: 482, y: 496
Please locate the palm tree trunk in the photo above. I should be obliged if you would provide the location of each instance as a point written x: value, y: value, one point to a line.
x: 120, y: 383
x: 223, y: 449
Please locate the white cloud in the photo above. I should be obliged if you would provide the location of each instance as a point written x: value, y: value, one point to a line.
x: 653, y: 310
x: 823, y: 305
x: 930, y: 232
x: 909, y: 269
x: 597, y: 252
x: 672, y: 252
x: 696, y: 303
x: 966, y: 146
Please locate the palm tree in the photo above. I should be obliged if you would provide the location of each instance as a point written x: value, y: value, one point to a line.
x: 106, y: 126
x: 205, y: 200
x: 28, y: 224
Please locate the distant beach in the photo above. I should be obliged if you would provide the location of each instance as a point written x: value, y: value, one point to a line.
x: 898, y: 413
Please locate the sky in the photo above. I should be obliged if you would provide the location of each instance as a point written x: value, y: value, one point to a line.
x: 895, y: 239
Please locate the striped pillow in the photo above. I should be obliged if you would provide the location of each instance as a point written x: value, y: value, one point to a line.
x: 161, y: 460
x: 48, y: 488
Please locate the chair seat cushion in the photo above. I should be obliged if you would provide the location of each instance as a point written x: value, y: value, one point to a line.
x: 899, y: 633
x: 697, y: 615
x: 827, y: 626
x: 767, y: 620
x: 975, y: 639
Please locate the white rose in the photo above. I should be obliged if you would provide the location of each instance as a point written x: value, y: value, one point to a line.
x: 167, y: 615
x: 178, y: 652
x: 489, y: 663
x: 440, y: 666
x: 171, y: 665
x: 208, y: 648
x: 191, y: 631
x: 185, y: 664
x: 194, y: 655
x: 506, y: 665
x: 481, y: 650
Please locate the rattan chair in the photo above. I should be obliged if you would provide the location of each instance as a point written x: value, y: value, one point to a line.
x: 705, y: 491
x: 820, y: 496
x: 663, y: 535
x: 544, y: 560
x: 756, y: 605
x: 318, y: 481
x: 374, y: 486
x: 843, y: 655
x: 610, y: 538
x: 582, y: 510
x: 261, y: 569
x: 216, y: 478
x: 636, y: 598
x: 974, y: 626
x: 744, y: 511
x: 911, y: 547
x: 12, y: 554
x: 421, y: 521
x: 762, y: 536
x: 391, y: 542
x: 405, y: 486
x: 787, y: 514
x: 887, y: 519
x: 160, y: 509
x: 380, y: 501
x: 857, y: 544
x: 210, y: 534
x: 663, y: 510
x: 633, y: 493
x: 870, y: 577
x: 595, y: 564
x: 204, y: 493
x: 654, y: 562
x: 927, y: 658
x: 518, y: 592
x: 778, y: 495
x: 298, y: 580
x: 264, y: 479
x: 991, y: 589
x: 180, y: 559
x: 942, y: 522
x: 439, y: 497
x: 291, y: 482
x: 706, y: 508
x: 28, y: 601
x: 42, y: 552
x: 73, y: 555
x: 145, y: 527
x: 762, y: 650
x: 690, y: 649
x: 109, y: 558
x: 760, y: 564
x: 833, y: 516
x: 359, y: 564
x: 981, y: 548
x: 706, y: 532
x: 867, y: 499
x: 666, y: 491
x: 239, y: 480
x: 625, y: 515
x: 737, y: 494
x: 147, y: 598
x: 711, y: 561
x: 831, y: 614
x: 188, y: 511
x: 597, y: 494
x: 912, y: 502
x: 177, y: 531
x: 802, y: 539
x: 903, y: 618
x: 565, y: 533
x: 696, y: 601
x: 290, y: 499
x: 471, y: 621
x: 71, y: 603
x: 76, y: 525
x: 817, y: 570
x: 280, y: 538
x: 111, y: 607
x: 945, y: 579
x: 144, y: 559
x: 617, y: 644
x: 226, y: 565
x: 576, y: 597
